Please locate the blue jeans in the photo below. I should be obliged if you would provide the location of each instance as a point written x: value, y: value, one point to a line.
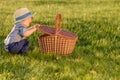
x: 20, y: 47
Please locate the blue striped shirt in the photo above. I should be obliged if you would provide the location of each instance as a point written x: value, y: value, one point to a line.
x: 16, y: 34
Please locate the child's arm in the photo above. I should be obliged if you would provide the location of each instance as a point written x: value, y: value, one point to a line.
x: 30, y: 30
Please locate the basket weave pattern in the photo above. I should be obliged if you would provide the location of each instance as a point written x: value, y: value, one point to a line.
x: 57, y: 43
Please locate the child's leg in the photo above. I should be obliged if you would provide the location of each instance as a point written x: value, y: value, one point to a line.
x: 18, y: 47
x: 25, y: 47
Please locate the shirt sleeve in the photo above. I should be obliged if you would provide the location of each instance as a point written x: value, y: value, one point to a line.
x: 21, y: 31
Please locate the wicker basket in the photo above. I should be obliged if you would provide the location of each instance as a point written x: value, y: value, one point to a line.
x: 55, y: 40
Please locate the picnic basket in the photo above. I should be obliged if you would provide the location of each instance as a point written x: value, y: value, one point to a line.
x: 56, y: 40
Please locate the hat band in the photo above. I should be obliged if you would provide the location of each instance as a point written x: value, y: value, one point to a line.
x: 23, y: 16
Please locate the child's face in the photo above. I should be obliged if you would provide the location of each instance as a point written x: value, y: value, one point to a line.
x: 27, y: 21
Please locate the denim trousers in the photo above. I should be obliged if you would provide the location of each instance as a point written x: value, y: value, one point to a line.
x: 20, y: 47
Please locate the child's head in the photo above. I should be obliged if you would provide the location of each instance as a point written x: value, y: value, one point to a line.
x: 23, y: 15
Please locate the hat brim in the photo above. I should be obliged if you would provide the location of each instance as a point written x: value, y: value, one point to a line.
x: 26, y: 18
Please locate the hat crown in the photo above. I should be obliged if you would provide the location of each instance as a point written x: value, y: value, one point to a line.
x: 21, y: 12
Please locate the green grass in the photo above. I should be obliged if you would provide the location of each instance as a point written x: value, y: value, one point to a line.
x: 97, y: 52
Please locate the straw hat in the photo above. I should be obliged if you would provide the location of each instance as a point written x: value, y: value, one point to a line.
x: 22, y: 14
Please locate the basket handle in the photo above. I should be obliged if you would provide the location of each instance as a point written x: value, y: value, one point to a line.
x: 58, y: 23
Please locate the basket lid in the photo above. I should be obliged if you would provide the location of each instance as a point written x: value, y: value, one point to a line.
x: 57, y: 29
x: 51, y: 31
x: 47, y: 29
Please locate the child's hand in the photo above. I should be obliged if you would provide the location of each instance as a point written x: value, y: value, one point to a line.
x: 37, y: 26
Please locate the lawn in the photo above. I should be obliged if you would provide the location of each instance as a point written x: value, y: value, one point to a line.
x: 96, y: 55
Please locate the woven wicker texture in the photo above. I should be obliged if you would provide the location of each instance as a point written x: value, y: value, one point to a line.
x: 55, y: 40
